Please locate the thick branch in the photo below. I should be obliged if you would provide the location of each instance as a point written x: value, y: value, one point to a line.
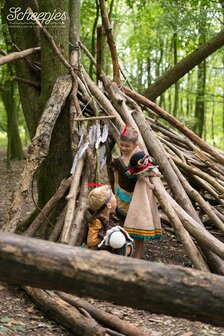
x: 184, y: 66
x: 62, y: 312
x: 18, y: 55
x: 110, y: 41
x: 105, y: 318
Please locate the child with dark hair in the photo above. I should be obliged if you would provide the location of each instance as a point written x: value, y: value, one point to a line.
x: 124, y: 187
x: 103, y: 233
x: 142, y: 220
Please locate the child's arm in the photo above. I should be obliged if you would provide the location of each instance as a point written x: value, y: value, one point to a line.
x: 116, y: 177
x: 154, y: 173
x: 93, y: 237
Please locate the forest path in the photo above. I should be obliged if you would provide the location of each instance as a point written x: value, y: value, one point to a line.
x: 19, y: 316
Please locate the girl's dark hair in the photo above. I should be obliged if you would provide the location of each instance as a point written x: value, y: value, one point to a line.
x: 129, y: 134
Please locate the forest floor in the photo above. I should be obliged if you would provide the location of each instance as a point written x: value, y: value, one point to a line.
x: 19, y: 316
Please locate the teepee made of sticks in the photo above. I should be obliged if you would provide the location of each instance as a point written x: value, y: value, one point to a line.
x: 190, y: 192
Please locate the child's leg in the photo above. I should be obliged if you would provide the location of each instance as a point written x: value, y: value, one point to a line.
x: 139, y: 248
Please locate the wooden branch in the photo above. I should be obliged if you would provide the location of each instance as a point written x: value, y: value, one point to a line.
x: 197, y: 231
x: 198, y: 172
x: 110, y: 41
x: 72, y: 197
x: 191, y: 250
x: 194, y: 194
x: 56, y: 232
x: 86, y: 51
x: 184, y: 66
x: 18, y: 55
x: 173, y: 148
x: 75, y: 109
x: 103, y: 317
x: 103, y: 101
x: 27, y: 81
x: 209, y: 189
x: 79, y: 226
x: 65, y: 314
x: 38, y: 149
x: 120, y: 105
x: 176, y: 123
x: 95, y: 118
x: 158, y: 288
x: 35, y: 225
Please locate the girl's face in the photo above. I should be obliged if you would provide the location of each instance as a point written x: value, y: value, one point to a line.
x: 127, y: 147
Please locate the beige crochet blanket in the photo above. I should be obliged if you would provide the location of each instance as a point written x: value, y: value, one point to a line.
x: 143, y: 219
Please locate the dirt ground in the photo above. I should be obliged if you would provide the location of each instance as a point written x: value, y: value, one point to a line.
x: 19, y: 316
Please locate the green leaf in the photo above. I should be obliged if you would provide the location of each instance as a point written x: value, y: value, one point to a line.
x: 19, y: 327
x: 5, y: 319
x: 3, y: 329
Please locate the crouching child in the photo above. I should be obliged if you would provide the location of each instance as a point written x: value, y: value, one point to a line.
x: 103, y: 233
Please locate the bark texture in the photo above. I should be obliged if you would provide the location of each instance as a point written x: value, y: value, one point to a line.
x: 157, y: 288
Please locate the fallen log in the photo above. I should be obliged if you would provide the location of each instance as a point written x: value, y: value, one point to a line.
x: 65, y: 314
x: 155, y: 287
x: 101, y: 316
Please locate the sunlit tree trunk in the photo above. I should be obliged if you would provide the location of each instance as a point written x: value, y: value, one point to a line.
x: 176, y: 85
x: 213, y: 123
x: 200, y: 97
x: 25, y: 37
x: 93, y: 38
x: 9, y: 86
x: 14, y: 145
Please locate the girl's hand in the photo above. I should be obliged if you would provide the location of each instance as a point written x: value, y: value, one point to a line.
x: 152, y: 173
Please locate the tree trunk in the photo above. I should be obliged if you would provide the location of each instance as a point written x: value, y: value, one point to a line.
x: 58, y: 163
x: 184, y: 66
x: 14, y: 145
x: 26, y: 37
x: 176, y: 86
x: 155, y: 287
x: 200, y: 99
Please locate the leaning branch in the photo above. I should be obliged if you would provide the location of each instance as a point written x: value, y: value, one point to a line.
x: 110, y: 40
x: 18, y: 55
x: 184, y: 66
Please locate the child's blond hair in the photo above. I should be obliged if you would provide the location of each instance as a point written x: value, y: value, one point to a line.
x: 98, y: 197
